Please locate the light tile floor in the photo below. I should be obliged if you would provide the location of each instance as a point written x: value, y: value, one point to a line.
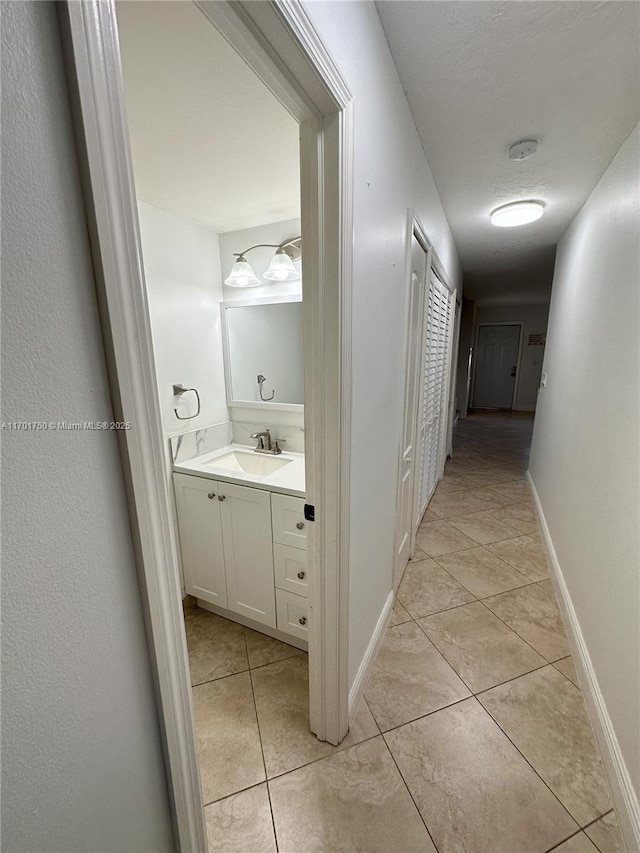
x: 472, y: 736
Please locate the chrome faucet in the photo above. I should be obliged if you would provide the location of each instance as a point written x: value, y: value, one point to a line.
x: 264, y: 442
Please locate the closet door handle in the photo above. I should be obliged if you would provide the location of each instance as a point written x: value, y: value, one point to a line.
x: 221, y: 497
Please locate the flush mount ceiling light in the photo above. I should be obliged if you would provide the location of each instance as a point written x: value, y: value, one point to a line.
x: 517, y: 213
x: 281, y: 267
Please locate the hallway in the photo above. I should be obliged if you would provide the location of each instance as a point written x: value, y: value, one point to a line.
x: 472, y: 735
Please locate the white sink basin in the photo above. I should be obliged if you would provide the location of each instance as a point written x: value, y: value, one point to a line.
x: 250, y: 463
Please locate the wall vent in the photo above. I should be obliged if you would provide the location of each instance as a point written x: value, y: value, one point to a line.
x: 537, y: 340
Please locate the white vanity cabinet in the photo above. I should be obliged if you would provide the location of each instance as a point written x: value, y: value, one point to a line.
x: 226, y: 544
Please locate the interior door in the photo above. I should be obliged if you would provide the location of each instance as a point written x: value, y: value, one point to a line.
x: 437, y: 336
x: 496, y: 366
x: 404, y: 510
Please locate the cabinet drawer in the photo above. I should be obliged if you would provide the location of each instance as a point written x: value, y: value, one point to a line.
x: 287, y: 518
x: 290, y: 564
x: 292, y: 613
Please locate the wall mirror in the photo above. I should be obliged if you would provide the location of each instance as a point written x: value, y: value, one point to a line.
x: 263, y: 355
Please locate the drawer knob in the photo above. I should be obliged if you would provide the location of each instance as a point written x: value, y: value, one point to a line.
x: 300, y: 525
x: 302, y: 620
x: 302, y: 575
x: 221, y: 497
x: 211, y: 496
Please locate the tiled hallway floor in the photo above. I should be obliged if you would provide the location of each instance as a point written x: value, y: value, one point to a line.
x: 472, y: 736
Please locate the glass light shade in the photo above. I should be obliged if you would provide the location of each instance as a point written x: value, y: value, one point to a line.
x: 242, y: 275
x: 281, y: 268
x: 517, y: 213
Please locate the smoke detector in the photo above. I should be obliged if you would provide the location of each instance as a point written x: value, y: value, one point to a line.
x: 523, y: 149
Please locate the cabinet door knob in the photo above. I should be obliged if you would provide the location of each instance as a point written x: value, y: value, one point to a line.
x: 302, y: 620
x: 300, y: 525
x: 302, y: 575
x: 211, y: 496
x: 221, y: 497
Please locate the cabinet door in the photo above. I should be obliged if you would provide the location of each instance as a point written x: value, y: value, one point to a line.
x: 248, y: 552
x: 201, y: 537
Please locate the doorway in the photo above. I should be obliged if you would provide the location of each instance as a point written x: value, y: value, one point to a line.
x: 497, y: 362
x: 278, y: 42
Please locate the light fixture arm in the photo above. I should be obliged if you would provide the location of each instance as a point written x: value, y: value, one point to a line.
x: 292, y: 248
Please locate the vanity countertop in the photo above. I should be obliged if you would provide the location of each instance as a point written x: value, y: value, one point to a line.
x: 287, y: 480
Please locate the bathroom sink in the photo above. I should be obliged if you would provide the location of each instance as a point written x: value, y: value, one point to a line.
x: 250, y: 463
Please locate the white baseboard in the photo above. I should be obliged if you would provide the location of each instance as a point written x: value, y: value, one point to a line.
x: 624, y: 796
x: 360, y: 681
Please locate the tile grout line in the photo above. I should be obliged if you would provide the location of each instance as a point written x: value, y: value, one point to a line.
x: 233, y: 794
x: 534, y: 769
x: 249, y: 668
x: 500, y: 683
x: 404, y: 782
x: 337, y: 749
x: 264, y: 763
x: 444, y: 568
x: 587, y: 825
x: 482, y: 601
x: 564, y: 841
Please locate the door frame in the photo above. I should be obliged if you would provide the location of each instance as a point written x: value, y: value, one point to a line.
x: 474, y: 356
x: 278, y: 41
x: 453, y: 388
x: 414, y: 229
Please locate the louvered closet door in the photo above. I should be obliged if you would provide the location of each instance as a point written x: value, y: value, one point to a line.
x: 437, y: 337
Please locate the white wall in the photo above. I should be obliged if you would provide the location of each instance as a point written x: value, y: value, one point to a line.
x: 585, y: 460
x: 391, y: 175
x: 82, y: 766
x: 184, y: 290
x: 535, y: 319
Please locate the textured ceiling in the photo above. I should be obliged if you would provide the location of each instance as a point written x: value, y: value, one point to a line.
x: 209, y: 141
x: 481, y: 75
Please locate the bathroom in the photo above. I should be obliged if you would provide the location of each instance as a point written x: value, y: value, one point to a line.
x: 217, y: 171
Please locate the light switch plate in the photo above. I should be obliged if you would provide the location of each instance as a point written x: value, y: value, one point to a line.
x: 543, y: 380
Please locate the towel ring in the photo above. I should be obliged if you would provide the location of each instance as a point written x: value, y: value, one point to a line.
x: 178, y: 390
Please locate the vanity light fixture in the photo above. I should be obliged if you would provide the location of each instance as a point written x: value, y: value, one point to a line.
x: 281, y: 267
x: 517, y: 213
x: 242, y: 274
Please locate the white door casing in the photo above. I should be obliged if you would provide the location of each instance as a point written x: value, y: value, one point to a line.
x: 279, y: 42
x: 408, y: 454
x: 496, y: 365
